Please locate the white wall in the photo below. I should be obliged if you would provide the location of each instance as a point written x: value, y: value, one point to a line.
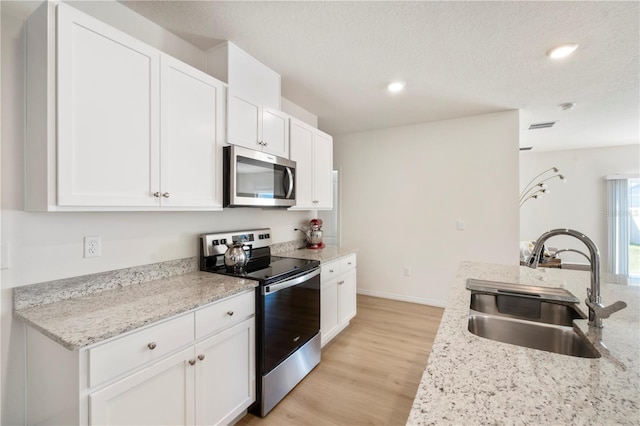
x: 405, y: 188
x: 580, y: 203
x: 48, y: 246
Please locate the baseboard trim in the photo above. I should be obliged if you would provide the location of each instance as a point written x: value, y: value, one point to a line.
x: 402, y: 298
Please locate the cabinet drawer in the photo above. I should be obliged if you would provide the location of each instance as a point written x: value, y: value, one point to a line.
x: 141, y: 347
x: 348, y: 263
x: 330, y: 270
x: 224, y: 313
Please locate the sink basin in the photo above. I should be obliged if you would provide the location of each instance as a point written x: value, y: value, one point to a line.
x: 546, y: 337
x: 525, y: 308
x: 532, y: 317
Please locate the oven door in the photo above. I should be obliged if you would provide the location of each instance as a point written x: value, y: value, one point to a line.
x: 254, y: 178
x: 291, y: 317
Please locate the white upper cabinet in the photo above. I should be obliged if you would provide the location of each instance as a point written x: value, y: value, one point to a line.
x: 312, y: 150
x: 192, y: 104
x: 254, y: 117
x: 108, y: 115
x: 136, y: 129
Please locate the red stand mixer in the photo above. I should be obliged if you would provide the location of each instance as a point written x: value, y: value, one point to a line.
x: 313, y: 234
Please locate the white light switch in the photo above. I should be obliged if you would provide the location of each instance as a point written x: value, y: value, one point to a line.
x: 460, y: 225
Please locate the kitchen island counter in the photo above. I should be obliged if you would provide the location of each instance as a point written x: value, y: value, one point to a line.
x: 473, y: 380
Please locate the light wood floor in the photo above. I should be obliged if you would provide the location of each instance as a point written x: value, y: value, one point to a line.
x: 368, y: 374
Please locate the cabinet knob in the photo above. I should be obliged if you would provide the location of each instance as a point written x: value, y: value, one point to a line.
x: 331, y: 271
x: 152, y: 345
x: 201, y: 357
x: 230, y: 313
x: 340, y: 282
x: 166, y: 194
x: 315, y: 201
x: 156, y: 194
x: 192, y: 362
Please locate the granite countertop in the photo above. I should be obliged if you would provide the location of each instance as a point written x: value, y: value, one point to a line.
x: 81, y: 321
x: 324, y: 255
x: 473, y: 380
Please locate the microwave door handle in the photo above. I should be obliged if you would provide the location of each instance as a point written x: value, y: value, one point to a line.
x: 290, y: 174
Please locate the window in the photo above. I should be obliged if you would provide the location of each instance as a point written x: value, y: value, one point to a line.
x: 623, y: 211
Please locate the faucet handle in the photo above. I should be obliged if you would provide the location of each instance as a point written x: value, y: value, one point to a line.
x: 603, y: 312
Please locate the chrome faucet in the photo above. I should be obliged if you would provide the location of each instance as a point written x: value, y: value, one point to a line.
x: 597, y: 310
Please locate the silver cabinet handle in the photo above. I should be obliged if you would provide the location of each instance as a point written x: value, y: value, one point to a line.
x: 331, y: 271
x: 201, y: 357
x: 340, y: 282
x: 152, y: 345
x: 156, y: 194
x: 230, y: 313
x: 192, y: 362
x: 165, y: 194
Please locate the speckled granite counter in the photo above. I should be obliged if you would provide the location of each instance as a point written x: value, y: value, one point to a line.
x: 324, y: 255
x: 472, y: 380
x: 81, y: 321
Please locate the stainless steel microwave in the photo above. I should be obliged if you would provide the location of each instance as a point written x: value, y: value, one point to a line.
x: 257, y: 179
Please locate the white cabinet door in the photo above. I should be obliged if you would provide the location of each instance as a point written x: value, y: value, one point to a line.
x: 108, y: 142
x: 192, y: 110
x: 244, y: 122
x: 161, y: 394
x: 225, y: 374
x: 347, y: 296
x: 322, y: 170
x: 312, y: 150
x: 328, y: 310
x: 301, y: 151
x: 275, y: 132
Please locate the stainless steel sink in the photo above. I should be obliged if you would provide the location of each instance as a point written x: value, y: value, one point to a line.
x: 546, y: 337
x: 525, y: 308
x: 528, y: 317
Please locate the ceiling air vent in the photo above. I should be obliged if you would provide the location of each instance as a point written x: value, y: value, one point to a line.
x: 541, y: 125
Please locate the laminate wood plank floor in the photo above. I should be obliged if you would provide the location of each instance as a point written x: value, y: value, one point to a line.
x: 369, y: 373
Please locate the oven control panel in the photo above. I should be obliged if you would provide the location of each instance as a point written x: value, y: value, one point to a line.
x: 216, y: 243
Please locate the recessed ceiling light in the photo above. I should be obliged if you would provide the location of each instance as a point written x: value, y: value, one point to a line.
x: 396, y: 86
x: 562, y: 51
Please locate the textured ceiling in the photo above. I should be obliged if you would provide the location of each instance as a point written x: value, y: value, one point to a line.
x: 458, y: 59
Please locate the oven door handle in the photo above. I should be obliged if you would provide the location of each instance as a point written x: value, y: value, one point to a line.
x: 289, y: 283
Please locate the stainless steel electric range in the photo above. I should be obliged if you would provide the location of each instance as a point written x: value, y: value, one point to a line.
x: 287, y: 311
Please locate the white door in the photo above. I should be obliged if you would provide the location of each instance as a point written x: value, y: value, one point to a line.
x: 108, y: 141
x: 192, y: 103
x: 275, y: 132
x: 244, y: 122
x: 158, y: 395
x: 301, y: 151
x: 225, y: 374
x: 322, y: 170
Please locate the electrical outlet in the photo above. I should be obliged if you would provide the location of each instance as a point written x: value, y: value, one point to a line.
x: 406, y: 271
x: 92, y: 246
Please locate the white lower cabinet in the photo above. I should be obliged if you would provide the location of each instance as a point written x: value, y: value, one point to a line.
x: 337, y: 296
x: 205, y: 381
x: 158, y: 395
